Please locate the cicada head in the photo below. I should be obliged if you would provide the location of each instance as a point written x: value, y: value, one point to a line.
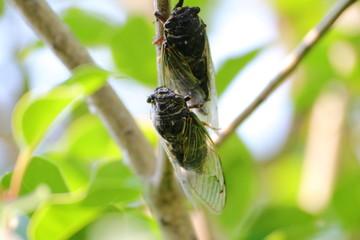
x: 166, y: 102
x: 185, y: 31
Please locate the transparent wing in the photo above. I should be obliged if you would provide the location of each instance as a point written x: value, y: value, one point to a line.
x: 177, y: 75
x: 202, y: 181
x: 211, y: 105
x: 177, y: 69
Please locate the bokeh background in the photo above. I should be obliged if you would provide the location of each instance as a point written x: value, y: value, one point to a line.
x: 292, y: 169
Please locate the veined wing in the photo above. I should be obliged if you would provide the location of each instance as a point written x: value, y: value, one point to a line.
x: 202, y: 179
x: 177, y: 75
x: 211, y: 105
x: 177, y: 69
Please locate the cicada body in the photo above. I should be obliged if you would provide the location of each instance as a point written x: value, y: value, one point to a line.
x: 190, y: 149
x: 187, y: 63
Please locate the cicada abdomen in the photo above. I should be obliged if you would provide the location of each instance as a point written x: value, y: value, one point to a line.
x: 187, y: 63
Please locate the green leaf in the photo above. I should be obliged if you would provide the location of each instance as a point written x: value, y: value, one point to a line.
x: 87, y: 139
x: 28, y: 49
x: 318, y: 73
x: 76, y: 171
x: 61, y: 221
x: 88, y: 78
x: 284, y: 179
x: 347, y: 192
x: 2, y: 7
x: 42, y: 171
x: 5, y: 181
x: 113, y: 182
x: 231, y: 68
x: 35, y: 113
x: 39, y: 171
x: 89, y: 27
x: 287, y: 222
x: 241, y: 183
x: 133, y: 52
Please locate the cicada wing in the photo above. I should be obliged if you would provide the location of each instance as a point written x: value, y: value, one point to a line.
x: 207, y: 182
x: 211, y: 105
x: 179, y: 171
x: 177, y: 72
x: 202, y: 179
x: 177, y: 75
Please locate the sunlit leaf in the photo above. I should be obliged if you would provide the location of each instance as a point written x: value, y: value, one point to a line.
x: 29, y: 49
x: 347, y: 195
x: 60, y: 221
x: 89, y: 27
x: 42, y: 171
x: 113, y: 182
x: 284, y: 179
x: 86, y: 139
x: 133, y: 52
x: 231, y: 68
x: 39, y: 171
x: 35, y: 113
x: 88, y: 78
x: 76, y: 171
x: 290, y: 222
x: 5, y: 180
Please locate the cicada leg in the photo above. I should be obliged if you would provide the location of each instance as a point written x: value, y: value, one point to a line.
x: 188, y: 98
x: 160, y: 17
x: 158, y: 40
x: 179, y: 4
x: 196, y: 106
x: 211, y: 127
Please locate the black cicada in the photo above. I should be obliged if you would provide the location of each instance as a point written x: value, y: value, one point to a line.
x: 190, y: 148
x: 186, y: 61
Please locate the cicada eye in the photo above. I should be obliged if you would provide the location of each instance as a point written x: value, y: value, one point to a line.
x: 196, y: 9
x: 149, y: 99
x: 169, y: 24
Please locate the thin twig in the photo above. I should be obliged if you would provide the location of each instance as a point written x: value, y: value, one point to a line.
x: 290, y: 63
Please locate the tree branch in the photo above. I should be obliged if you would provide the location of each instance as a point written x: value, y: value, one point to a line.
x: 289, y: 64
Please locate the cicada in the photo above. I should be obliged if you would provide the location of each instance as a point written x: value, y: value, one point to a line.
x: 186, y: 61
x: 190, y: 149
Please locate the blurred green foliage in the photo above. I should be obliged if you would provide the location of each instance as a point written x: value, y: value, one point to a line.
x: 131, y: 46
x: 231, y: 68
x: 1, y: 7
x: 35, y: 112
x: 90, y: 190
x: 39, y: 171
x: 89, y: 27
